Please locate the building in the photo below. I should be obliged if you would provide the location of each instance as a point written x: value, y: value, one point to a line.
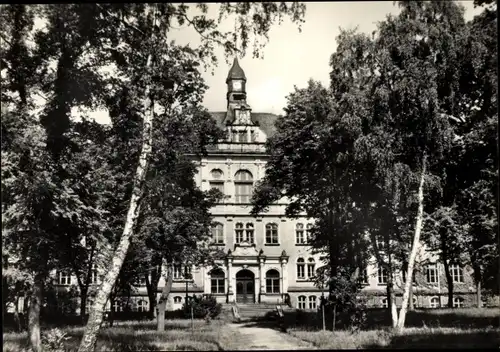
x: 268, y: 257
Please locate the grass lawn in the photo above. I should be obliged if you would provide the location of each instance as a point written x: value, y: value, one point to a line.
x: 435, y: 330
x: 142, y: 336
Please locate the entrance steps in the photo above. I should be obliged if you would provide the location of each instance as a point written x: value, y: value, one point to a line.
x: 249, y: 311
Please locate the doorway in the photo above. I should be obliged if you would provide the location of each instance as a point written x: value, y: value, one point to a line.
x: 245, y: 286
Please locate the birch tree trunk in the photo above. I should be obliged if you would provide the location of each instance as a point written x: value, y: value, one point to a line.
x: 414, y: 249
x: 160, y: 323
x: 97, y: 312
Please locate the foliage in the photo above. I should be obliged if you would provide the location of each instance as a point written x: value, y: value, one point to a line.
x: 202, y: 306
x: 53, y: 340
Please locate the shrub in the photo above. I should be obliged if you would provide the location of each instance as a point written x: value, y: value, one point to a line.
x: 202, y: 307
x: 53, y: 340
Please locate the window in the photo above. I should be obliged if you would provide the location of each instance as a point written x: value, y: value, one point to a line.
x: 141, y: 306
x: 301, y: 268
x: 218, y: 233
x: 272, y: 234
x: 272, y: 281
x: 458, y: 302
x: 117, y: 306
x: 243, y: 184
x: 382, y: 275
x: 301, y: 302
x: 415, y: 301
x: 384, y: 303
x: 299, y: 234
x: 234, y: 136
x: 182, y: 272
x: 308, y: 233
x: 93, y: 277
x: 434, y: 302
x: 239, y: 232
x: 242, y: 136
x: 457, y: 273
x: 431, y: 273
x: 364, y: 276
x: 217, y: 281
x: 64, y: 278
x: 312, y: 302
x: 380, y: 244
x: 249, y: 230
x: 414, y: 278
x: 177, y: 299
x: 253, y: 136
x: 311, y: 268
x: 217, y: 181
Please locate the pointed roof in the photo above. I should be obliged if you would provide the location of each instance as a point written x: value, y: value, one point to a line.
x: 236, y: 72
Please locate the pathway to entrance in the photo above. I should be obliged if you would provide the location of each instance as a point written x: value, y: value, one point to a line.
x: 255, y: 336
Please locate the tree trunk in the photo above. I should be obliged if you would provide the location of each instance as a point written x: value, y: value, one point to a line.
x: 152, y: 287
x: 449, y: 283
x: 17, y: 321
x: 162, y: 305
x: 34, y: 313
x: 83, y: 304
x: 411, y: 297
x: 96, y: 315
x: 415, y: 246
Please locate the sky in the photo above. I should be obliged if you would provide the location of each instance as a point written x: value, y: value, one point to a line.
x: 290, y: 58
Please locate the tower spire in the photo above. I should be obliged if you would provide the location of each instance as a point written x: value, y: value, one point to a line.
x: 236, y: 72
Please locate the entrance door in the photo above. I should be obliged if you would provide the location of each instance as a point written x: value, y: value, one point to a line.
x: 245, y: 287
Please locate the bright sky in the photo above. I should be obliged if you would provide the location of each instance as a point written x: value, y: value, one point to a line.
x: 290, y: 57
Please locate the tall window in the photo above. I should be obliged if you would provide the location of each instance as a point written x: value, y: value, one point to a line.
x: 301, y: 302
x: 242, y: 136
x: 382, y: 275
x: 182, y: 272
x: 243, y: 184
x: 217, y: 180
x: 299, y: 234
x: 239, y: 232
x: 272, y: 281
x: 311, y: 266
x: 308, y: 233
x: 272, y: 234
x: 458, y: 302
x: 64, y: 278
x: 431, y: 273
x: 312, y: 302
x: 93, y: 277
x: 457, y: 273
x: 217, y: 281
x: 249, y: 231
x: 385, y: 304
x: 218, y: 233
x: 434, y: 302
x: 177, y: 272
x: 301, y: 268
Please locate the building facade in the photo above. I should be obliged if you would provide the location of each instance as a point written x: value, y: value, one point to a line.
x: 267, y: 258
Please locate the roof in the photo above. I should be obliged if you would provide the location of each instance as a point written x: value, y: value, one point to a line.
x: 265, y: 121
x: 236, y: 72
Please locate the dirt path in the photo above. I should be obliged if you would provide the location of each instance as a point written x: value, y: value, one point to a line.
x: 253, y: 336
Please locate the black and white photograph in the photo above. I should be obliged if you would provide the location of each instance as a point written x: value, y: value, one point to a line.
x: 250, y: 176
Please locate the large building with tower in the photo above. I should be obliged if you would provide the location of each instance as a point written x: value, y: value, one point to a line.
x: 267, y: 258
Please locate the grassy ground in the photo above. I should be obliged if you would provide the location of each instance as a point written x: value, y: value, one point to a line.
x: 440, y: 328
x: 141, y: 336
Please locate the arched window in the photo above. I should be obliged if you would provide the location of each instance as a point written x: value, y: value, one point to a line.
x: 217, y: 281
x: 384, y: 303
x: 177, y: 299
x: 272, y: 281
x: 299, y: 234
x: 218, y: 233
x: 434, y: 302
x: 302, y: 302
x: 249, y: 231
x: 239, y: 232
x: 141, y: 306
x: 458, y: 302
x: 311, y: 265
x: 301, y: 268
x: 308, y: 233
x: 312, y: 302
x: 243, y: 186
x: 272, y: 234
x: 217, y: 180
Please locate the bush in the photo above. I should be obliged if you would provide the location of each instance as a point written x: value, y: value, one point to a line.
x: 202, y: 307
